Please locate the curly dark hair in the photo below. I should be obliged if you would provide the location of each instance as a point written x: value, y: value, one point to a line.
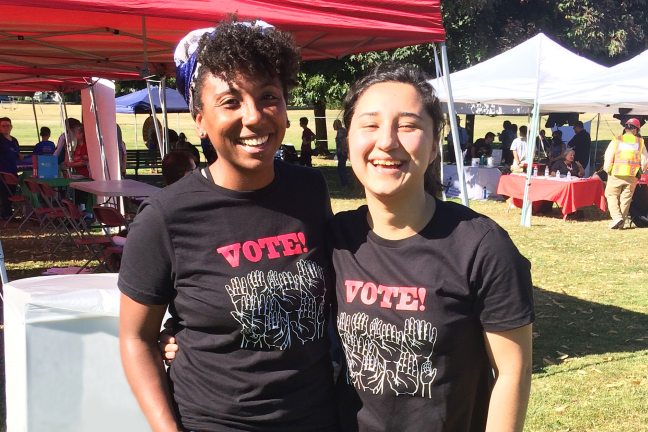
x: 418, y: 79
x: 240, y: 49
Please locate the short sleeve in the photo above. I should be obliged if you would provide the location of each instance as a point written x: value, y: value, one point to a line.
x: 501, y: 277
x: 147, y: 271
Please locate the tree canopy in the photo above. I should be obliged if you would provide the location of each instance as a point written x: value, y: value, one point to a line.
x: 605, y: 31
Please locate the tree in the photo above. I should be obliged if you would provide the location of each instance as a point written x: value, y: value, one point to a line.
x: 605, y: 31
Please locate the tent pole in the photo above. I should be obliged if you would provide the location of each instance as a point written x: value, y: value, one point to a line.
x: 3, y: 269
x: 598, y: 122
x: 145, y: 66
x: 106, y: 171
x: 453, y: 127
x: 135, y: 117
x: 165, y: 123
x: 532, y: 133
x: 36, y: 120
x: 155, y: 120
x: 438, y: 74
x: 68, y: 136
x: 525, y: 219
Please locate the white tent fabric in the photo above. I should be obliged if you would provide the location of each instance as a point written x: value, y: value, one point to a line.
x: 622, y: 86
x: 518, y: 75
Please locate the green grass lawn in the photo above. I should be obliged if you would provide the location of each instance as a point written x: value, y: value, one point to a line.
x: 591, y: 334
x: 48, y: 115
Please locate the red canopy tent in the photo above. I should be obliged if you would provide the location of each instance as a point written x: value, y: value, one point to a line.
x: 103, y: 37
x: 109, y: 35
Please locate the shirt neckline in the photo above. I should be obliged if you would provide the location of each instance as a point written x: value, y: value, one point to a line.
x: 375, y: 238
x: 206, y: 177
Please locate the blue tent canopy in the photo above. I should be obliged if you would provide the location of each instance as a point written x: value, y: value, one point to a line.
x: 138, y: 102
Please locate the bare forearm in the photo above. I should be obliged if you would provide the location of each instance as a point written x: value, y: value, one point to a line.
x: 508, y: 403
x: 145, y: 373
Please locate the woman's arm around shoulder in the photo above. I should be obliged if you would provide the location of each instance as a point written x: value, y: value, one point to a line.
x: 511, y: 357
x: 139, y: 325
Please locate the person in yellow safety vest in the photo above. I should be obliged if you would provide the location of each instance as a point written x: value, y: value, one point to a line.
x: 625, y: 158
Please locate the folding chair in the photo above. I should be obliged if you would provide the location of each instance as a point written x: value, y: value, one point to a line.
x: 57, y: 218
x: 41, y: 211
x: 110, y: 217
x: 95, y: 244
x: 10, y: 179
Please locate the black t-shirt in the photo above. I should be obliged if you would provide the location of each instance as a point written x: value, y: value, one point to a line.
x: 564, y: 169
x: 245, y: 274
x: 411, y: 317
x: 482, y: 148
x: 581, y: 143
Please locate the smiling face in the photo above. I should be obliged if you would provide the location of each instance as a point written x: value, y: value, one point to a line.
x: 569, y: 157
x: 391, y: 140
x: 246, y: 122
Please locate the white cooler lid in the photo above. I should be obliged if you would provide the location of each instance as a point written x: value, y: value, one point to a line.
x: 54, y: 298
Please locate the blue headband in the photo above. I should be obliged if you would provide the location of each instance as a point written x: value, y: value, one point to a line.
x: 187, y: 67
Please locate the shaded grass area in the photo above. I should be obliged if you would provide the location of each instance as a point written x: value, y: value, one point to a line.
x: 590, y: 359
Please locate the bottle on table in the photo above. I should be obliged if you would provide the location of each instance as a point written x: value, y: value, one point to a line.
x: 485, y: 193
x: 482, y: 160
x: 568, y: 175
x: 547, y: 171
x: 557, y: 173
x: 535, y: 171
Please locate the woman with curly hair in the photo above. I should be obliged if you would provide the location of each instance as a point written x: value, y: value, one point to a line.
x: 434, y: 302
x: 239, y: 262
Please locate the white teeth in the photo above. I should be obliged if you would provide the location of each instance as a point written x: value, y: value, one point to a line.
x: 254, y: 141
x: 387, y: 162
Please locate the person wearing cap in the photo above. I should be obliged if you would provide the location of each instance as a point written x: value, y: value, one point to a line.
x: 625, y: 159
x: 238, y: 259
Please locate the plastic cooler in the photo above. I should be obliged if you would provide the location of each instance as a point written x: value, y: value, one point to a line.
x: 63, y: 369
x: 45, y: 167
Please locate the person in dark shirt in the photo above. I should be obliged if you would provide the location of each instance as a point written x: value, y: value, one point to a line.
x: 306, y: 146
x: 483, y: 146
x: 581, y: 144
x: 568, y: 164
x: 9, y: 157
x: 184, y: 145
x: 543, y: 144
x: 237, y: 252
x: 45, y: 146
x: 506, y: 137
x: 175, y: 165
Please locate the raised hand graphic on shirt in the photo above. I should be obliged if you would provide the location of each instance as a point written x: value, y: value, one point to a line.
x: 379, y: 352
x: 274, y: 307
x: 248, y: 311
x: 428, y: 373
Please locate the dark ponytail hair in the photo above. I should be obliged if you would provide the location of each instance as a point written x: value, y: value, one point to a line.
x: 418, y: 79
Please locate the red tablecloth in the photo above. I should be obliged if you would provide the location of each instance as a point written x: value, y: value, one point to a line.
x: 570, y: 195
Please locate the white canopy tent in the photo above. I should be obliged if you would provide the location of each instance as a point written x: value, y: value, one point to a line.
x: 622, y: 86
x: 521, y: 76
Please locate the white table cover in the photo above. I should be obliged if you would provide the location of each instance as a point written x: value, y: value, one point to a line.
x: 477, y: 178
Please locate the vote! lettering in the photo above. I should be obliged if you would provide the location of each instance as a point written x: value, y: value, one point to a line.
x: 269, y: 247
x: 403, y: 298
